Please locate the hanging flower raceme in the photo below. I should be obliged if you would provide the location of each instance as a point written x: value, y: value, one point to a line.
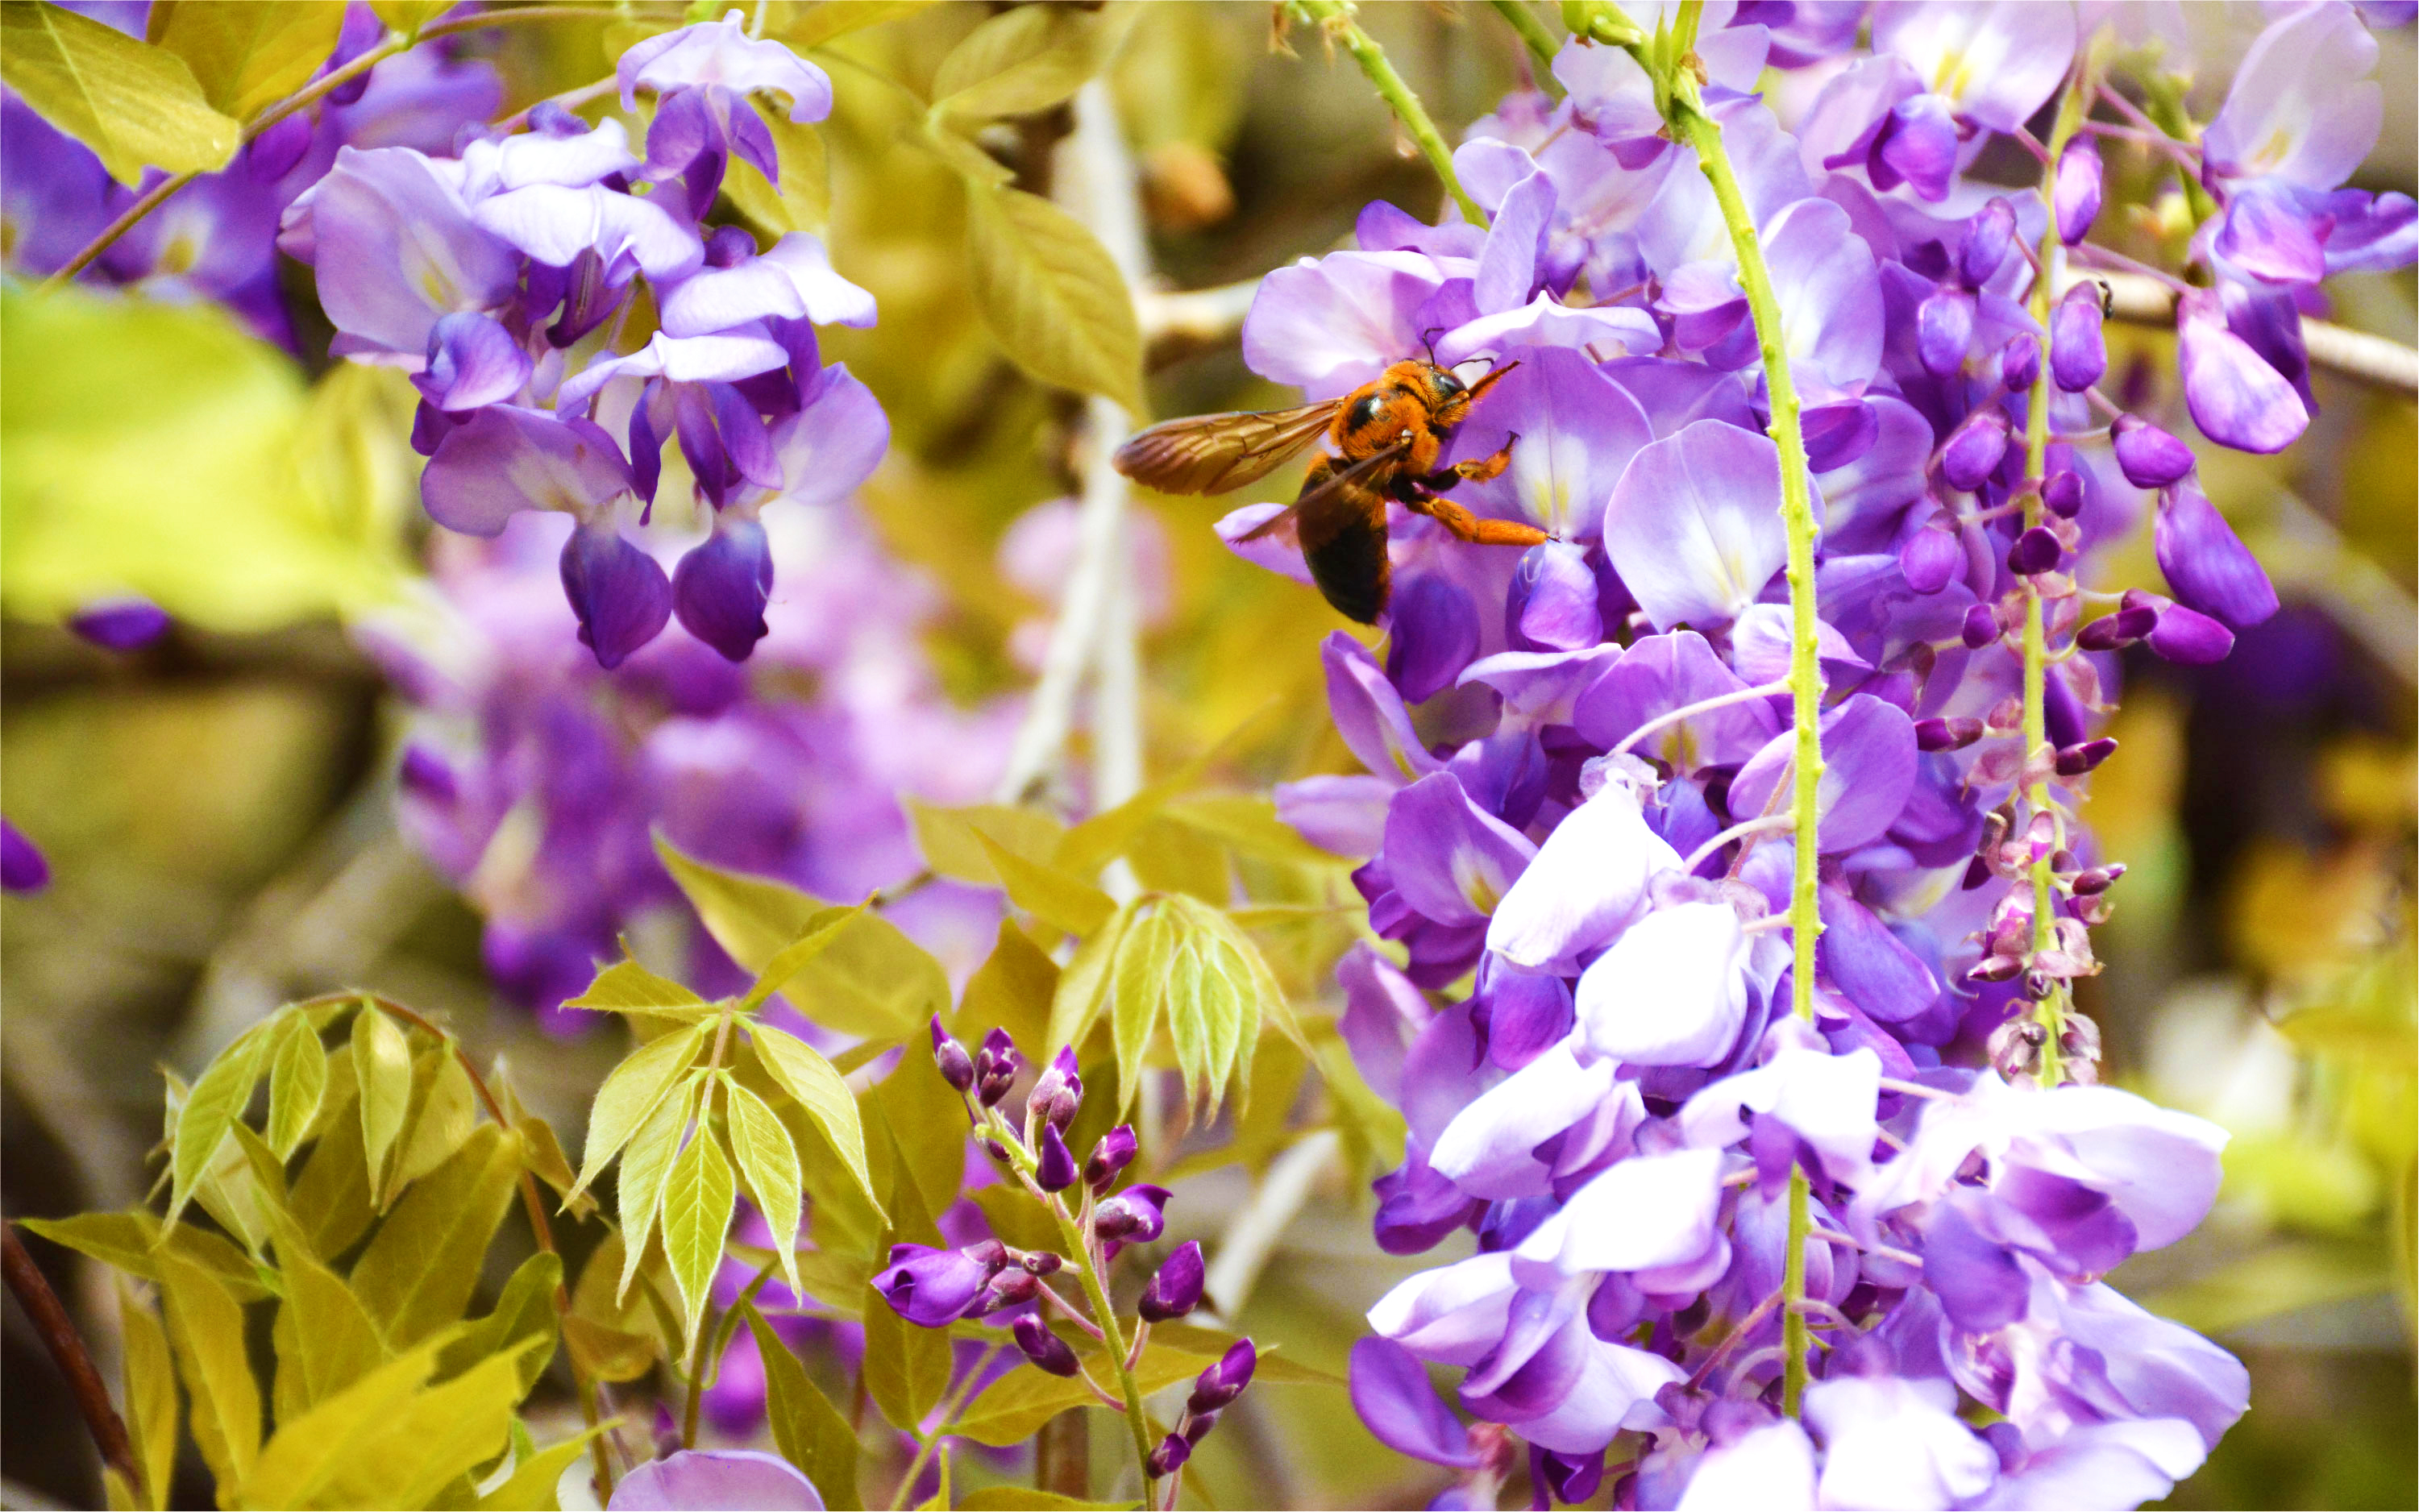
x: 503, y: 281
x: 1579, y: 774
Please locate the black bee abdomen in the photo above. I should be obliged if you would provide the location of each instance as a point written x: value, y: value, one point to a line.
x: 1350, y: 568
x: 1366, y: 410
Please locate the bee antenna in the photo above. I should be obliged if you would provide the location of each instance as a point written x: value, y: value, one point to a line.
x: 1427, y: 339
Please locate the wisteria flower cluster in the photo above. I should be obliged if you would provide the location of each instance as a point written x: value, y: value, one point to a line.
x: 1579, y: 758
x: 935, y: 1287
x: 502, y: 279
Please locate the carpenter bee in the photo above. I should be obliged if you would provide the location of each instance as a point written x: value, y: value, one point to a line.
x: 1389, y: 434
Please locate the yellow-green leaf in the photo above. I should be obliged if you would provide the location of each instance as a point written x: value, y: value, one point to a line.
x: 150, y: 1394
x: 206, y: 1325
x: 1025, y: 1499
x: 627, y: 987
x: 443, y: 1111
x: 216, y: 1101
x: 248, y: 55
x: 523, y: 1315
x: 906, y: 1368
x: 769, y: 1162
x: 382, y: 1072
x: 950, y: 847
x: 1250, y: 826
x: 802, y: 1072
x: 645, y: 1166
x: 324, y: 1337
x: 814, y: 25
x: 1022, y: 60
x: 807, y: 1429
x: 802, y: 200
x: 1139, y: 985
x: 1053, y: 896
x: 925, y: 1124
x: 308, y: 1451
x: 798, y: 954
x: 418, y: 1274
x: 1051, y: 295
x: 1085, y: 987
x: 408, y: 16
x: 699, y: 1197
x: 751, y: 917
x: 134, y: 104
x: 531, y: 1485
x: 298, y: 1079
x: 134, y: 1243
x: 1012, y: 990
x: 631, y: 1093
x: 332, y: 1196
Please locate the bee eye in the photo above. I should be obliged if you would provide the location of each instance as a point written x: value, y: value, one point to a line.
x: 1447, y: 386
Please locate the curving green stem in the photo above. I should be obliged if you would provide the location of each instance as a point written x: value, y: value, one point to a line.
x: 1335, y: 17
x: 1540, y: 42
x: 1684, y: 112
x: 2051, y: 1009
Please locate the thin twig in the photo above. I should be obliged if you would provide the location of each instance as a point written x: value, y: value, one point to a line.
x: 33, y: 1293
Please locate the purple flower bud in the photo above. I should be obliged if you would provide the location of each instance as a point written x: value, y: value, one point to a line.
x: 1040, y: 1262
x: 727, y: 246
x: 1058, y: 1092
x: 2149, y: 457
x: 2075, y: 196
x: 2035, y: 552
x: 1136, y: 1215
x: 1573, y: 1478
x: 1054, y: 1171
x: 2189, y: 637
x: 2122, y: 628
x: 1944, y: 328
x: 23, y: 866
x: 1175, y: 1288
x: 957, y: 1067
x: 1948, y: 735
x: 1047, y: 1350
x: 2062, y: 495
x: 1986, y: 240
x: 2097, y: 880
x: 2076, y: 760
x: 1197, y: 1427
x: 1170, y: 1455
x: 722, y: 584
x: 1224, y: 1381
x: 1010, y: 1288
x: 1981, y: 628
x: 125, y: 623
x: 1930, y: 558
x: 2206, y: 564
x: 621, y: 594
x: 990, y: 1252
x: 996, y: 1064
x: 2020, y: 363
x: 932, y: 1287
x: 428, y: 777
x: 1114, y: 1153
x: 1973, y: 449
x: 2077, y: 355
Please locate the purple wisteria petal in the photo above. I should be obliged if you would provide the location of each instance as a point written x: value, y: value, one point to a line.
x: 1760, y: 651
x: 504, y: 459
x: 1451, y: 860
x: 719, y: 359
x: 23, y: 866
x: 396, y: 248
x: 721, y: 586
x: 1390, y: 1392
x: 1645, y: 1212
x: 1671, y: 990
x: 2235, y: 396
x: 1996, y: 63
x: 1865, y: 961
x: 1343, y: 815
x: 1894, y: 1443
x: 2302, y: 109
x: 620, y: 592
x: 1869, y: 765
x: 1831, y: 300
x: 2189, y: 637
x: 1489, y: 1148
x: 710, y: 1480
x: 2122, y: 1464
x: 572, y: 159
x: 1546, y: 323
x: 2269, y: 234
x: 1273, y: 552
x: 1660, y: 674
x: 1587, y: 883
x: 1432, y: 634
x: 1453, y: 1314
x: 1917, y: 147
x: 2206, y: 564
x: 127, y: 623
x: 1332, y: 324
x: 1507, y: 264
x: 2079, y: 353
x: 472, y: 360
x: 554, y: 225
x: 1552, y: 605
x: 1526, y: 1016
x: 1382, y: 1011
x: 793, y: 281
x: 1826, y: 1100
x: 1771, y: 1468
x: 1577, y: 432
x: 1694, y: 528
x: 1541, y: 687
x: 830, y: 448
x: 720, y: 53
x: 1369, y: 713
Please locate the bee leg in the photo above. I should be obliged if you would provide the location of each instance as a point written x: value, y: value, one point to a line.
x: 1468, y: 527
x: 1477, y: 470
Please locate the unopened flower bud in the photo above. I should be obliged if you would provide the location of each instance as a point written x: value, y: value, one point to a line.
x: 2098, y: 879
x: 1988, y: 236
x: 1928, y: 558
x: 2078, y: 1036
x: 1977, y: 872
x: 1995, y: 969
x: 2078, y: 354
x: 2075, y: 197
x: 2062, y: 494
x: 2076, y: 760
x: 2035, y: 551
x: 1040, y: 1262
x: 2189, y: 637
x: 957, y: 1067
x: 1047, y: 1350
x: 1170, y: 1455
x: 2019, y: 363
x: 1058, y: 1094
x: 2122, y: 628
x: 1135, y: 1215
x: 1944, y: 328
x: 1974, y: 449
x: 1114, y: 1153
x: 993, y: 1148
x: 1981, y: 628
x: 2015, y: 1047
x: 1175, y: 1288
x: 1224, y: 1381
x: 996, y: 1064
x: 1009, y: 1289
x: 1954, y: 734
x: 1055, y: 1169
x: 989, y: 1253
x: 2039, y: 985
x: 1197, y: 1426
x: 2149, y: 457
